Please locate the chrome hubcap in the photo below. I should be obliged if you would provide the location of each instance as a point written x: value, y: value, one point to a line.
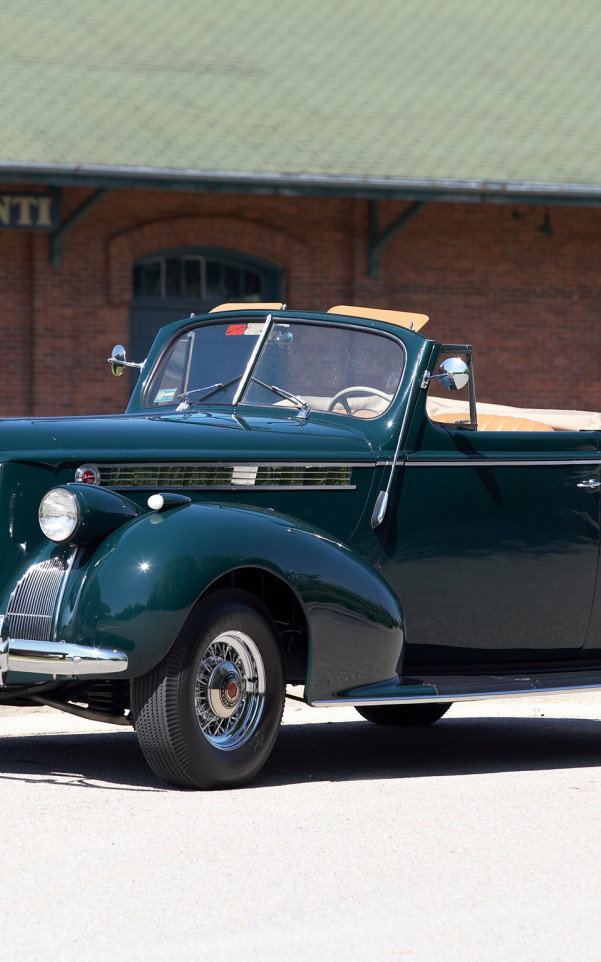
x: 230, y: 690
x: 224, y: 689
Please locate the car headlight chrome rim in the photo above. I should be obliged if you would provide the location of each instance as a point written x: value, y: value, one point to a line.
x: 59, y: 514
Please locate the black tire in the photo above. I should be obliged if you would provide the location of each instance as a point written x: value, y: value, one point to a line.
x: 225, y: 672
x: 409, y: 715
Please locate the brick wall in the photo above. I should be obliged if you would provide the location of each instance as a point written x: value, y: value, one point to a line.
x: 16, y: 321
x: 528, y: 302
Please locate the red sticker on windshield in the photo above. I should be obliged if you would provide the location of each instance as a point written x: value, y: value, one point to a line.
x: 236, y: 329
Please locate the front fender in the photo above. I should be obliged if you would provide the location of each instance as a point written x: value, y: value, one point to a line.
x: 136, y: 591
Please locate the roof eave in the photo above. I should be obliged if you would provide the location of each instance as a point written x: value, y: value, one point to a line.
x: 367, y: 187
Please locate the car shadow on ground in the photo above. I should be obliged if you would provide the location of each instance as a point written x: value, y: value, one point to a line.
x: 464, y: 746
x: 110, y: 760
x: 331, y: 751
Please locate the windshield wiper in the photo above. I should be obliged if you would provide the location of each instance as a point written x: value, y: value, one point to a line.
x: 205, y: 392
x: 305, y: 410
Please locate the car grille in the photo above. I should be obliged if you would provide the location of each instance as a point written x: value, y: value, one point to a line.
x: 31, y: 606
x: 225, y: 476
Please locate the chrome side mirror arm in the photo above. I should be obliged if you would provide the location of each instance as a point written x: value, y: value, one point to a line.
x: 118, y: 361
x: 455, y: 373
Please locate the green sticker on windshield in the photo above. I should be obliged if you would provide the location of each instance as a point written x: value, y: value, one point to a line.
x: 165, y: 394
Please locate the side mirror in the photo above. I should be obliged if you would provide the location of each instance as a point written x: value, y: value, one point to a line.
x: 118, y: 361
x: 454, y: 373
x: 117, y: 355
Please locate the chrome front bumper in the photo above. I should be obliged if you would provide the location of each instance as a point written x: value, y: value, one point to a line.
x: 58, y: 659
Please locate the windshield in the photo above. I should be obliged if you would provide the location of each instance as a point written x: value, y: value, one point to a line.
x: 330, y: 367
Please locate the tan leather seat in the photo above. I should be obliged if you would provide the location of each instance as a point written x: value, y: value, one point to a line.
x: 495, y: 422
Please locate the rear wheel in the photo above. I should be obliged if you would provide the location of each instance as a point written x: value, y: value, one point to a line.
x: 410, y: 715
x: 208, y: 715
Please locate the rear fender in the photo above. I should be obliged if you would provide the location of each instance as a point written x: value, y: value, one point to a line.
x: 136, y: 591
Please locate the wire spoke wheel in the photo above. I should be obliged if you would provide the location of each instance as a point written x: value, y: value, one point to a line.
x: 230, y: 690
x: 207, y: 716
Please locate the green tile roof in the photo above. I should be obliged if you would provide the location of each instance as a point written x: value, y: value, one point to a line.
x: 469, y: 91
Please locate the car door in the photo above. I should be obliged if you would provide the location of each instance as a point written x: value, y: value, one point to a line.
x: 492, y: 545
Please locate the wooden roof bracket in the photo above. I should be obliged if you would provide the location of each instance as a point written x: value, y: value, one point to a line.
x: 56, y: 238
x: 377, y: 239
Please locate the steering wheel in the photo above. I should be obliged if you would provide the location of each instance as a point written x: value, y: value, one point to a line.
x: 341, y: 397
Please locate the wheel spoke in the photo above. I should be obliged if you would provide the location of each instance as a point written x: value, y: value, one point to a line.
x: 230, y: 690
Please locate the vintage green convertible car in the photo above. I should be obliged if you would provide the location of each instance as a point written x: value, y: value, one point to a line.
x: 287, y: 502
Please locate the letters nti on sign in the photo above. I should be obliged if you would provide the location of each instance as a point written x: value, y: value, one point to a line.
x: 20, y: 211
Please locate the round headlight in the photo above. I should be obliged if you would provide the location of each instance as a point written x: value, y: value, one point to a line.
x: 59, y: 514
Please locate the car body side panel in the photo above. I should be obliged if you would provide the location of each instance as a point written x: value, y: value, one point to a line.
x: 136, y: 591
x: 492, y: 545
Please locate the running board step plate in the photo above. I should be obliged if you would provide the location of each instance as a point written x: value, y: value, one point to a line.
x: 437, y: 688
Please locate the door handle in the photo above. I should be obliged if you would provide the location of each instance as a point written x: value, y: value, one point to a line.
x: 591, y: 485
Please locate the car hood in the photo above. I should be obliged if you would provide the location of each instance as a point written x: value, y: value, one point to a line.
x: 198, y: 435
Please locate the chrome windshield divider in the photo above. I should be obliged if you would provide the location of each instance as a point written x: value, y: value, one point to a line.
x: 252, y: 360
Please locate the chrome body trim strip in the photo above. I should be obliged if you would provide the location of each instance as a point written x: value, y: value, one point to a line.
x: 3, y: 656
x: 238, y: 487
x: 230, y: 476
x: 59, y: 658
x: 449, y: 696
x: 502, y: 463
x: 474, y: 688
x: 107, y: 465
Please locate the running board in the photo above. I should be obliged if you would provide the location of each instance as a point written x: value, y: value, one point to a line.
x: 450, y: 688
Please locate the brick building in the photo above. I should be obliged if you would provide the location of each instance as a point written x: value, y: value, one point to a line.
x: 182, y: 160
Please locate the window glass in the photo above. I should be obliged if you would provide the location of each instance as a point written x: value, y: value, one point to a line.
x: 192, y: 277
x: 174, y: 370
x: 173, y: 283
x: 137, y: 280
x: 319, y: 363
x: 252, y: 286
x: 213, y: 276
x: 340, y: 369
x: 231, y: 277
x: 195, y: 277
x: 148, y: 279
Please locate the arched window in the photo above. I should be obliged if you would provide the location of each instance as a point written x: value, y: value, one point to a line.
x: 172, y: 284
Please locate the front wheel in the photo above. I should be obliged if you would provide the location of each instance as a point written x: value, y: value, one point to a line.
x: 410, y: 715
x: 207, y: 716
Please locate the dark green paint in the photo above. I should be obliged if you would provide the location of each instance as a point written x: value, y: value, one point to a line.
x: 140, y: 585
x: 483, y: 558
x: 100, y: 512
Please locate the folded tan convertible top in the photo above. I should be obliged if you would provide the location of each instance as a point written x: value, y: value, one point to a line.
x: 558, y: 420
x: 403, y: 318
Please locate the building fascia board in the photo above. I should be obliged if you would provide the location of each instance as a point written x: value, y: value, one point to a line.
x: 368, y: 187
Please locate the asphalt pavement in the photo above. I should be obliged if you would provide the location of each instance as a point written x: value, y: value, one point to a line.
x: 477, y: 837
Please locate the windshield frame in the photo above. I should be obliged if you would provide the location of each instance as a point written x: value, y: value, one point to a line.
x: 246, y: 377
